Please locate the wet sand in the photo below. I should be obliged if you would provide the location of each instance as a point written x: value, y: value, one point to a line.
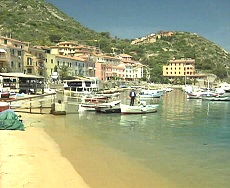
x: 100, y: 165
x: 31, y: 158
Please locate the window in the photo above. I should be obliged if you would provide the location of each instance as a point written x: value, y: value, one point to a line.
x: 12, y: 64
x: 29, y: 61
x: 29, y: 71
x: 12, y: 51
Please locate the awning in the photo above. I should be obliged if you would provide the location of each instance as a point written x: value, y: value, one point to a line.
x: 22, y: 75
x: 2, y: 50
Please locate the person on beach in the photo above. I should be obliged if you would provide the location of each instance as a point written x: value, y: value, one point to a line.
x: 132, y: 96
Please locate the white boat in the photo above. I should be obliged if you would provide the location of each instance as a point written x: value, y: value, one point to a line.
x: 94, y: 106
x: 90, y: 103
x: 198, y: 93
x: 147, y: 94
x: 225, y: 87
x: 168, y: 89
x: 217, y: 98
x: 140, y: 109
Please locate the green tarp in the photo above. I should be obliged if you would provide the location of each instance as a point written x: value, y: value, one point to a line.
x: 10, y: 121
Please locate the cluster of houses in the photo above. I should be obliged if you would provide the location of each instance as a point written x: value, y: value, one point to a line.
x: 80, y: 60
x: 83, y: 61
x: 152, y: 38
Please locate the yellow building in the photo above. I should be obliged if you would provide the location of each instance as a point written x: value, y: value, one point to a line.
x: 179, y: 68
x: 34, y: 60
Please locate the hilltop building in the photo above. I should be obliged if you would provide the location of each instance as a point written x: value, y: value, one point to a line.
x: 152, y: 38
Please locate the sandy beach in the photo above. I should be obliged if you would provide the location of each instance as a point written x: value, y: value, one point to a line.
x: 31, y: 158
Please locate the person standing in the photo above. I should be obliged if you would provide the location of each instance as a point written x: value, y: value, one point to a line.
x: 132, y: 96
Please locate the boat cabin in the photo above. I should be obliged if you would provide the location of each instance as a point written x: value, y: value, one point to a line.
x: 90, y: 84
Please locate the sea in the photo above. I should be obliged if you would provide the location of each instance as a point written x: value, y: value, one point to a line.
x: 186, y: 143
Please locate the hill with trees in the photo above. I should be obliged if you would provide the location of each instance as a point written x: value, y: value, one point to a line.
x: 40, y: 23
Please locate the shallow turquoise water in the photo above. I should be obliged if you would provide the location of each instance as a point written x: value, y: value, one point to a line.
x: 187, y: 141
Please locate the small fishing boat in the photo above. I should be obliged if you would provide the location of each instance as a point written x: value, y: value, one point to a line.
x: 108, y: 110
x: 217, y: 98
x: 109, y: 107
x: 200, y: 93
x: 91, y: 103
x: 148, y: 94
x: 4, y: 106
x: 140, y: 109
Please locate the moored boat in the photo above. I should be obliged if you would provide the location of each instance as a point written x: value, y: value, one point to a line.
x: 140, y: 109
x: 91, y: 103
x: 216, y: 98
x: 148, y: 94
x: 4, y: 106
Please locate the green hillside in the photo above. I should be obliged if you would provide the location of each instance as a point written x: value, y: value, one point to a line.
x: 40, y: 23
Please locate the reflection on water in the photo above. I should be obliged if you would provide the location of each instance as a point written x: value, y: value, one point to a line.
x: 187, y: 141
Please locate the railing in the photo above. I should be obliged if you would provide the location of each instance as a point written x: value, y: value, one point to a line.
x: 35, y: 103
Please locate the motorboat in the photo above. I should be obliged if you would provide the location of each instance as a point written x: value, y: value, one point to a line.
x: 148, y: 94
x: 225, y: 87
x: 220, y: 97
x: 139, y: 109
x: 217, y: 98
x: 199, y: 93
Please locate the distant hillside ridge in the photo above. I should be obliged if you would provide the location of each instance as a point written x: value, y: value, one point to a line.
x: 41, y: 23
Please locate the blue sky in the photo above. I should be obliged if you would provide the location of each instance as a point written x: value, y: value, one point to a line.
x: 129, y: 19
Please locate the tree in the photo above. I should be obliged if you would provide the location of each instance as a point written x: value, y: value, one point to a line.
x: 63, y: 72
x: 54, y: 38
x: 220, y: 72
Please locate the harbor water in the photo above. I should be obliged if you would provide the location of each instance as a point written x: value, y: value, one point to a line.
x: 186, y: 143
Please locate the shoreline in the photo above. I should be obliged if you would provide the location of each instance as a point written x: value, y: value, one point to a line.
x: 32, y: 159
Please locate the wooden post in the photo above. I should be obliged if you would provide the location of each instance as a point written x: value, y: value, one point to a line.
x: 30, y: 106
x: 40, y: 107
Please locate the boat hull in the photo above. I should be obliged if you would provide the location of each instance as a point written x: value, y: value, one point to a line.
x: 108, y: 110
x: 126, y: 109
